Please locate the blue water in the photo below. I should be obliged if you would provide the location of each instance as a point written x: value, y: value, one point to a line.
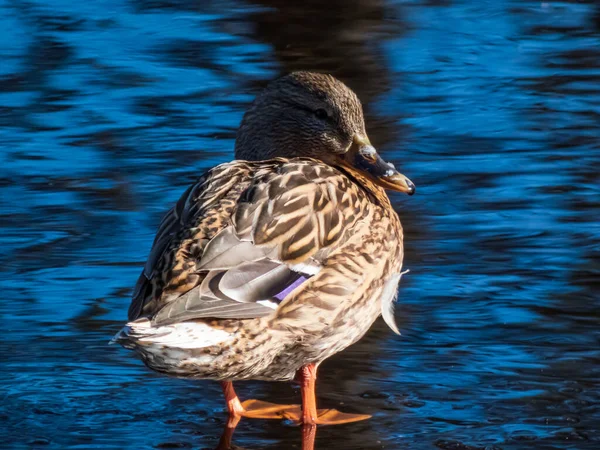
x: 109, y: 109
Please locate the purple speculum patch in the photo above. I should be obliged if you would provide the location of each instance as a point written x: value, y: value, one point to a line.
x: 301, y: 279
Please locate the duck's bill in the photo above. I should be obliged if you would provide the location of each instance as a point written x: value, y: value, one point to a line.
x: 385, y: 174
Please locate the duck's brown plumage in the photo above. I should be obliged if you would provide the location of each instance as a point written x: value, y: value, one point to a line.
x: 247, y: 230
x: 289, y: 212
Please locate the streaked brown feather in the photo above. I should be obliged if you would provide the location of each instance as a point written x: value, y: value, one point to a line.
x: 237, y: 213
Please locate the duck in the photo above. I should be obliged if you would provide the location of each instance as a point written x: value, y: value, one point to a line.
x: 271, y: 263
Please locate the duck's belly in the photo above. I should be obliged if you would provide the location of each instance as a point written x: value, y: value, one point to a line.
x: 235, y: 351
x: 316, y: 347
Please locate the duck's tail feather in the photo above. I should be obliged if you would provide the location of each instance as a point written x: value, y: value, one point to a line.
x: 131, y: 331
x: 183, y: 335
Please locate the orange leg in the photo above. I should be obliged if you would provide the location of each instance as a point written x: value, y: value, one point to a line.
x: 310, y: 415
x: 307, y: 415
x: 234, y: 406
x: 308, y: 381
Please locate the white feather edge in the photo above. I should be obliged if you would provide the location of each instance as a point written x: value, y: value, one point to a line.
x: 268, y: 304
x: 178, y: 335
x: 388, y: 297
x: 306, y: 268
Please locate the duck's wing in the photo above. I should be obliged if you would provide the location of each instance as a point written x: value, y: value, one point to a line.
x: 182, y: 235
x: 257, y: 232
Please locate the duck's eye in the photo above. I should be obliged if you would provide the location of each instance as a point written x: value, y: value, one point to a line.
x: 321, y: 114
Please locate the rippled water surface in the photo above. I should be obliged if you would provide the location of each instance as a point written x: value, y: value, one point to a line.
x: 109, y: 109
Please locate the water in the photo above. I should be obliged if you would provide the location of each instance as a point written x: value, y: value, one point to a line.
x: 109, y: 109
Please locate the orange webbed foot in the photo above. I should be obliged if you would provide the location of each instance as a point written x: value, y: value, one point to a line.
x: 325, y: 417
x: 257, y: 409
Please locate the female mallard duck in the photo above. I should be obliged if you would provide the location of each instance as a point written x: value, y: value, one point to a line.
x: 272, y: 263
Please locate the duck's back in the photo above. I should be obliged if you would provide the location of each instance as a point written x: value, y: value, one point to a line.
x: 248, y: 231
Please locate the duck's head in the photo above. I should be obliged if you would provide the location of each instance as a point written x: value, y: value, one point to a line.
x: 317, y: 116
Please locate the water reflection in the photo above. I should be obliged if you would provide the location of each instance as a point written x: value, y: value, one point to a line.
x: 307, y: 433
x: 109, y: 109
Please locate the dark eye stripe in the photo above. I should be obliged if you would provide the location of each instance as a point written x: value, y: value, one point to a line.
x: 298, y: 106
x: 308, y: 109
x: 321, y: 114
